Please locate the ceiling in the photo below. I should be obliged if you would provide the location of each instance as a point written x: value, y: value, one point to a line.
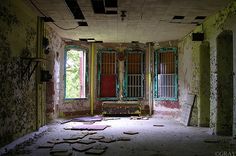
x: 145, y: 21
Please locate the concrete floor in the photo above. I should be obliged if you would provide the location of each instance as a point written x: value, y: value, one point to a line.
x: 171, y: 140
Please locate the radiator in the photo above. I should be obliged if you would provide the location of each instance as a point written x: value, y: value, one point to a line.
x: 121, y: 108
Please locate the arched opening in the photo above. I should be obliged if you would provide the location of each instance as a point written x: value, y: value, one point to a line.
x: 204, y: 109
x: 224, y: 123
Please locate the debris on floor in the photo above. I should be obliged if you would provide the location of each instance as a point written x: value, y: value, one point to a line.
x: 84, y: 119
x: 89, y: 133
x: 56, y: 141
x: 95, y: 151
x: 71, y: 141
x: 96, y: 137
x: 88, y: 123
x: 213, y: 140
x: 139, y: 118
x: 46, y: 145
x: 67, y: 153
x: 123, y: 139
x: 89, y: 127
x: 110, y: 118
x: 131, y: 132
x: 100, y: 147
x: 81, y: 148
x: 107, y: 140
x: 75, y: 137
x: 135, y: 118
x: 61, y: 149
x: 86, y: 142
x: 158, y: 125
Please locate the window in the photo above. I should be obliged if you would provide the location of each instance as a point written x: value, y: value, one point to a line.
x: 107, y: 74
x: 134, y: 75
x: 75, y: 72
x: 165, y: 81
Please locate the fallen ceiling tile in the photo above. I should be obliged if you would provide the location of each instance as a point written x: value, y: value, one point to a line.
x: 86, y: 141
x: 95, y: 151
x: 107, y: 140
x: 100, y: 147
x: 61, y: 148
x: 56, y: 141
x: 158, y: 125
x: 96, y: 137
x: 90, y: 127
x: 123, y: 139
x: 46, y: 145
x: 75, y: 137
x: 81, y: 148
x: 131, y: 132
x: 89, y: 133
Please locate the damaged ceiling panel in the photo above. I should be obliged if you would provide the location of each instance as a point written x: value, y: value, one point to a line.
x: 153, y: 18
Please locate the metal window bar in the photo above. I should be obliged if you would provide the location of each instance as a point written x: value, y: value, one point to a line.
x: 135, y: 66
x: 106, y: 66
x: 108, y: 63
x: 166, y: 75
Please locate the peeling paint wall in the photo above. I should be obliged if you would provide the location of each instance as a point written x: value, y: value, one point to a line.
x: 189, y: 74
x: 82, y: 107
x: 72, y: 107
x: 212, y: 27
x: 17, y: 96
x: 168, y: 108
x: 56, y: 50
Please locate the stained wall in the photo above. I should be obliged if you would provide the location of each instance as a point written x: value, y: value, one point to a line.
x: 190, y: 69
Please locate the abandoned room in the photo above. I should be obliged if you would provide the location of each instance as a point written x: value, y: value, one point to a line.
x: 118, y: 77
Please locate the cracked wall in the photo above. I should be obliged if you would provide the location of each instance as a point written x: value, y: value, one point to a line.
x: 18, y: 106
x: 82, y: 106
x: 212, y: 27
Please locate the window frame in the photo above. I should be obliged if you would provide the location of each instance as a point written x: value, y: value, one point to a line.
x: 155, y: 81
x: 125, y: 81
x: 85, y: 50
x: 99, y: 64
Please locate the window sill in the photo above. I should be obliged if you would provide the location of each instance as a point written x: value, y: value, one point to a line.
x: 70, y: 99
x: 166, y: 99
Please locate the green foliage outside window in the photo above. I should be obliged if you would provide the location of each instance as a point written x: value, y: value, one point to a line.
x: 73, y: 74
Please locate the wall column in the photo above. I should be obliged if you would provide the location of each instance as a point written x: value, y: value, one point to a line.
x: 204, y: 91
x: 224, y: 122
x: 92, y: 78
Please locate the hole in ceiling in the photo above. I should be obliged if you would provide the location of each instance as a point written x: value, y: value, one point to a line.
x: 83, y: 39
x: 75, y: 9
x: 111, y: 12
x: 90, y: 39
x: 99, y: 42
x: 83, y: 23
x: 98, y: 6
x: 178, y: 17
x: 200, y: 17
x: 47, y: 19
x: 111, y: 3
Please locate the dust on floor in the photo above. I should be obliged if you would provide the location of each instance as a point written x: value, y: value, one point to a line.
x: 170, y: 139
